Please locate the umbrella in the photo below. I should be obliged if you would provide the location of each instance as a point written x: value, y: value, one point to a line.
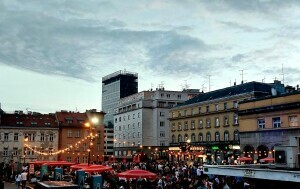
x: 245, y: 159
x: 79, y: 166
x: 267, y: 159
x: 137, y: 173
x: 96, y: 168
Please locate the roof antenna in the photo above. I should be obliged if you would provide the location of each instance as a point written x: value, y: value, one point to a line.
x: 282, y: 73
x: 209, y: 82
x: 242, y: 74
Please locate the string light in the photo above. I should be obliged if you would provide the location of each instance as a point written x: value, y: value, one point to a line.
x: 63, y: 150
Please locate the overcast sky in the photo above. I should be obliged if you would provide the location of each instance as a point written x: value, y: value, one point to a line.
x: 53, y: 54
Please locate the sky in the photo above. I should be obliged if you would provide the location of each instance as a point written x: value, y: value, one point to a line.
x: 53, y: 54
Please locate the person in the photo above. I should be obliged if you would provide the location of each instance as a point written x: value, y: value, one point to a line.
x: 24, y: 179
x: 18, y: 180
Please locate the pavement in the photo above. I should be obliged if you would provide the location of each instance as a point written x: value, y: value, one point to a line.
x: 12, y: 185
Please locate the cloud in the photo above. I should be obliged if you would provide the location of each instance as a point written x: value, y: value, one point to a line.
x: 242, y: 27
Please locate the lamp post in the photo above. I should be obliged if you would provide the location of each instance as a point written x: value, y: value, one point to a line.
x: 91, y: 136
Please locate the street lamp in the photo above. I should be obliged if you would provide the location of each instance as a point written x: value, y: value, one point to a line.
x: 94, y: 121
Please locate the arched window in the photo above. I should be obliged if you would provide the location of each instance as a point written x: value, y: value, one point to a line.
x: 179, y: 138
x: 200, y: 137
x: 262, y: 151
x: 193, y: 137
x: 236, y: 136
x: 208, y: 138
x: 186, y: 137
x: 217, y: 136
x: 226, y: 136
x: 173, y: 139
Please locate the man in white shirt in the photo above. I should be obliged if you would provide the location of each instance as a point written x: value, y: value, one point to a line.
x: 24, y: 179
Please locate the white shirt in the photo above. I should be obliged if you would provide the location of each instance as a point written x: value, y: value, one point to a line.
x: 24, y: 176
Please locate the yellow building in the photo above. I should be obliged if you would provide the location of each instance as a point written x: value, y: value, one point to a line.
x: 206, y: 128
x: 268, y: 122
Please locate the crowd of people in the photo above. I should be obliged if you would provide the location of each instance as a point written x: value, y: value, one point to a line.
x: 170, y: 175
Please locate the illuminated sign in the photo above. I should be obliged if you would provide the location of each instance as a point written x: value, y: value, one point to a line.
x: 215, y: 148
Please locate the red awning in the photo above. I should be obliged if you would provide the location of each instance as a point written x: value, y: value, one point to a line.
x: 138, y: 173
x: 96, y: 168
x: 51, y: 163
x: 245, y: 159
x: 267, y: 159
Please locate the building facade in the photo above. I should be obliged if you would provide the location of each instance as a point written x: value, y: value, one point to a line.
x: 40, y: 131
x: 114, y: 87
x: 269, y: 122
x: 80, y: 137
x: 141, y: 122
x: 206, y: 128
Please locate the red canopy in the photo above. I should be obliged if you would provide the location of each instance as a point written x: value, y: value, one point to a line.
x: 79, y: 166
x: 137, y: 173
x: 267, y: 159
x: 96, y: 168
x: 245, y: 159
x: 51, y: 163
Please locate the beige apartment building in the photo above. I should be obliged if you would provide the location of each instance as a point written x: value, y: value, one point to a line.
x: 206, y: 128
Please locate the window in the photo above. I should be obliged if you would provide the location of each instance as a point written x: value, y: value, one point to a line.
x: 128, y: 126
x: 235, y: 119
x: 207, y: 108
x: 186, y: 126
x: 51, y: 137
x: 173, y: 139
x: 217, y: 136
x: 193, y: 124
x: 120, y: 119
x: 162, y: 143
x: 207, y: 123
x: 179, y: 126
x: 162, y: 114
x: 161, y: 95
x: 200, y: 137
x: 69, y: 159
x: 199, y: 110
x: 139, y: 125
x: 133, y: 135
x: 173, y: 126
x: 179, y: 138
x: 193, y: 138
x: 33, y: 123
x: 186, y: 137
x: 84, y: 159
x: 162, y: 134
x: 85, y: 146
x: 192, y: 111
x: 138, y: 115
x: 69, y: 133
x: 173, y: 114
x: 235, y: 104
x: 216, y: 107
x: 47, y: 124
x: 5, y: 152
x: 5, y: 136
x: 162, y: 123
x: 225, y: 106
x: 42, y: 137
x: 77, y: 133
x: 217, y: 122
x: 16, y: 136
x: 179, y: 114
x: 208, y: 136
x: 116, y: 120
x: 185, y: 112
x: 293, y: 121
x: 15, y: 151
x: 128, y: 117
x: 133, y: 116
x: 226, y: 136
x: 200, y: 124
x: 139, y: 134
x: 236, y: 135
x: 226, y: 121
x: 123, y: 118
x: 179, y: 96
x: 133, y: 126
x: 261, y: 123
x: 276, y: 122
x: 31, y: 137
x: 168, y: 95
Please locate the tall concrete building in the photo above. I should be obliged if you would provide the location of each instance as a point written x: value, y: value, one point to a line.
x: 115, y: 86
x: 141, y: 121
